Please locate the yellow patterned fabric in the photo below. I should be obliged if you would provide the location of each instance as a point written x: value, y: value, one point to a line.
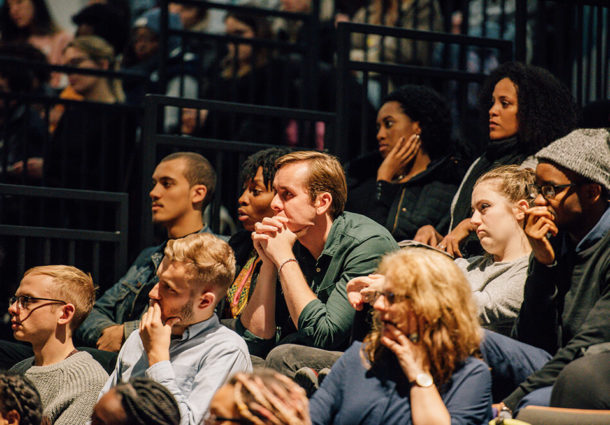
x: 237, y: 294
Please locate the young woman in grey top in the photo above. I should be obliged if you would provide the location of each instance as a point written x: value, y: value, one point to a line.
x: 499, y: 200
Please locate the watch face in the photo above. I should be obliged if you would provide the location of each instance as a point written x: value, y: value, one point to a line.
x: 424, y: 380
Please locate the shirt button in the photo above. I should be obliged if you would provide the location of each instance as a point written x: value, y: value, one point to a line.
x: 318, y: 269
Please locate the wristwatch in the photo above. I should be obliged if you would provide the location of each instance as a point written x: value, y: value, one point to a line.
x: 423, y: 380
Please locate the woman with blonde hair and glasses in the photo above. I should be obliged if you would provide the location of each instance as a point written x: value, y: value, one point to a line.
x: 418, y: 365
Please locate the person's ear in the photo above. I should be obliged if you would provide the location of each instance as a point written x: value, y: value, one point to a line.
x: 323, y: 202
x: 198, y: 193
x: 12, y: 417
x: 67, y: 314
x: 520, y: 208
x: 591, y: 192
x: 416, y: 128
x: 208, y: 298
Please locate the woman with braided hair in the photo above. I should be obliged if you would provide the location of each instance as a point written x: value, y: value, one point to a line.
x: 141, y: 401
x: 259, y: 398
x: 19, y: 401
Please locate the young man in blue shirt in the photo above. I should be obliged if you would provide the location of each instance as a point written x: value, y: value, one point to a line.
x: 181, y: 343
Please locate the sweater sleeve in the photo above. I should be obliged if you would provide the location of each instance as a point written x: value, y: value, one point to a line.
x: 537, y: 322
x: 594, y: 330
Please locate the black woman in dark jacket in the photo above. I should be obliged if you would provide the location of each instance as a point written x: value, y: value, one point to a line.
x: 411, y: 179
x: 527, y: 108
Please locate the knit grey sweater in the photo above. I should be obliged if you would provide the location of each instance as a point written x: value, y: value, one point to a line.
x: 68, y: 389
x: 497, y: 289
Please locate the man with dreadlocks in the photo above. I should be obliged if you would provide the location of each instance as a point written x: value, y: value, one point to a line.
x: 181, y: 343
x: 141, y: 401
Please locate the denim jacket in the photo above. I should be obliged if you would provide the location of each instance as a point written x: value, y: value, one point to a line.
x: 125, y: 302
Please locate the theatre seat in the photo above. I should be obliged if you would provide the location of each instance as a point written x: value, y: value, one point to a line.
x: 538, y: 415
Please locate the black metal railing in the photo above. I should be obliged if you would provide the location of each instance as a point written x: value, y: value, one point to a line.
x: 80, y: 144
x: 225, y: 154
x: 280, y: 62
x: 449, y: 77
x: 569, y: 38
x: 32, y: 234
x: 572, y: 40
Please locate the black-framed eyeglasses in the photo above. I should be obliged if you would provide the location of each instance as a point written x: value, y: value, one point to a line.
x: 24, y: 301
x: 213, y: 419
x: 548, y: 190
x: 391, y: 297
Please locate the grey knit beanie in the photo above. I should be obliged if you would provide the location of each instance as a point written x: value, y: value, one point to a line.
x: 585, y: 151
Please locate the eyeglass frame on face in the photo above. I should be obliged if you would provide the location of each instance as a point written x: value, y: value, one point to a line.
x: 390, y: 297
x: 19, y: 300
x: 551, y: 189
x: 212, y: 419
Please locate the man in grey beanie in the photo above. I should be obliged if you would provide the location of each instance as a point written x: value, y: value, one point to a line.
x: 566, y: 307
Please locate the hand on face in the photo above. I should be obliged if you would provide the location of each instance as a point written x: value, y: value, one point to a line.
x: 156, y: 335
x: 411, y: 356
x: 273, y: 240
x: 399, y: 157
x: 362, y: 289
x: 540, y: 223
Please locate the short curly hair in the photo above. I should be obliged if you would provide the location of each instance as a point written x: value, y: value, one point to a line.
x: 211, y: 258
x: 546, y: 108
x: 18, y: 393
x: 266, y: 159
x: 430, y: 109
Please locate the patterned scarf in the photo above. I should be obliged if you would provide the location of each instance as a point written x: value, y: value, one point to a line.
x: 237, y: 294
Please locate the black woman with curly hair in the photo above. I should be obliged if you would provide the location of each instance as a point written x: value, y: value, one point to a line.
x: 19, y: 401
x: 528, y: 108
x: 415, y: 176
x: 257, y: 173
